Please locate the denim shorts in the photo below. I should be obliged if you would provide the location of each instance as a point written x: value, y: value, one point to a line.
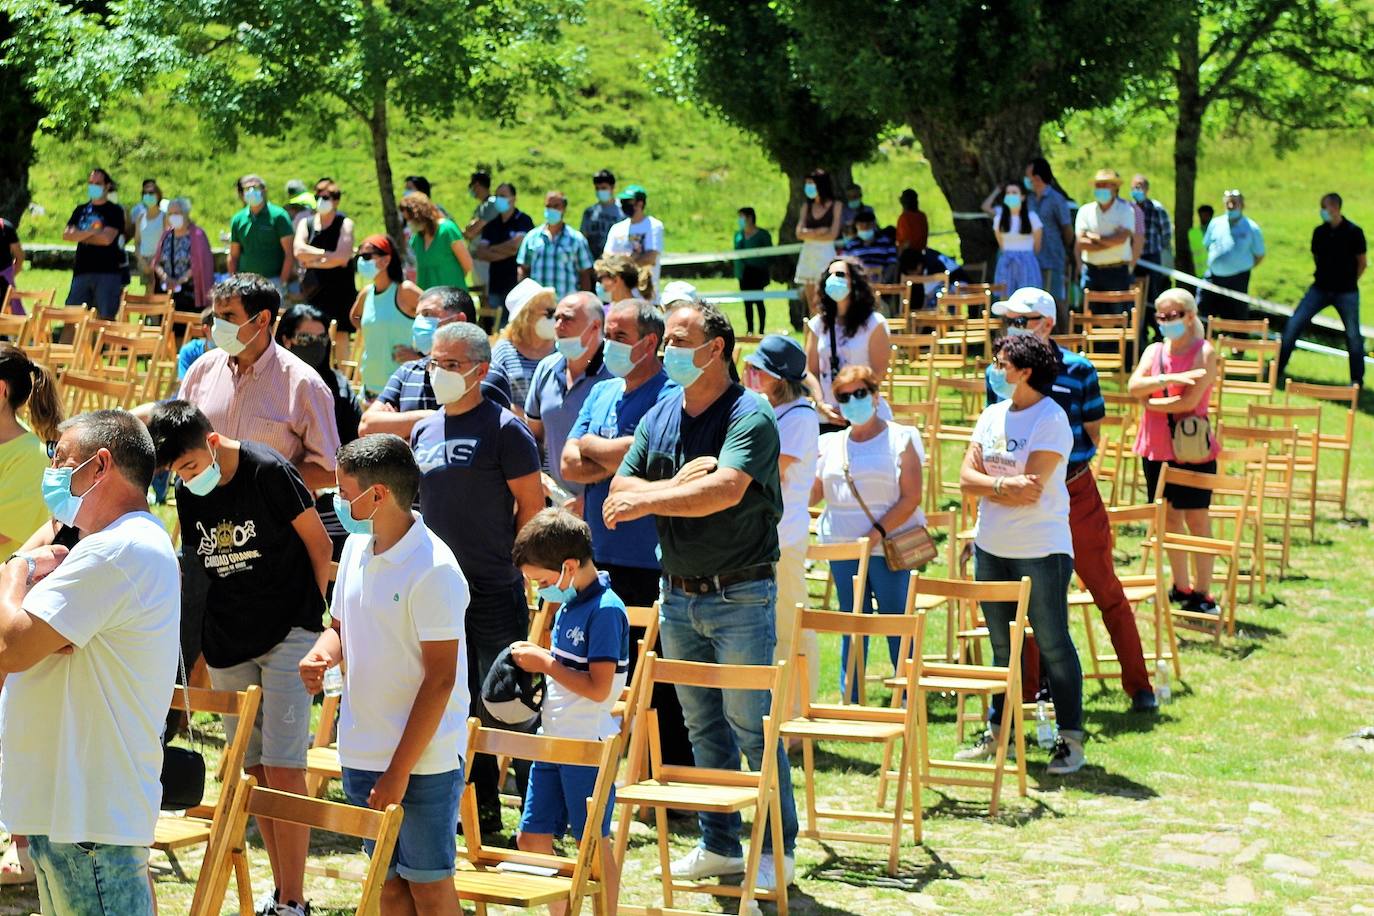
x: 98, y: 291
x: 281, y: 733
x: 91, y: 879
x: 427, y: 848
x: 556, y: 802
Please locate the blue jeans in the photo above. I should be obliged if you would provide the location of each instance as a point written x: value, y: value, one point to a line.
x: 884, y: 589
x: 1313, y: 301
x: 1049, y: 615
x: 736, y: 626
x: 91, y: 879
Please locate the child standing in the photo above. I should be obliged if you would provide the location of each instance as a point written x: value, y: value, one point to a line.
x: 585, y: 673
x: 399, y: 603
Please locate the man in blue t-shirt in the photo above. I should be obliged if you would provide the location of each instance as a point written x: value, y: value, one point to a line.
x: 479, y: 484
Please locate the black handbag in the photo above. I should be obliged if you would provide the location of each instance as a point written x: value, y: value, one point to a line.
x: 183, y: 769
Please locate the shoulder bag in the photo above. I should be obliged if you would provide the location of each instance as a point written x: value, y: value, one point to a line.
x: 910, y: 549
x: 183, y: 769
x: 1191, y: 435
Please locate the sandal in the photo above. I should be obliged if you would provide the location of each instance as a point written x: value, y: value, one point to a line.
x: 15, y: 866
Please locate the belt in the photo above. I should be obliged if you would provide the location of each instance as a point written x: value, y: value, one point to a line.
x: 705, y: 585
x: 1104, y: 266
x: 1076, y: 471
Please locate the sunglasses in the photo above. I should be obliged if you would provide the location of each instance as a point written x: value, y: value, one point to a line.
x: 305, y: 340
x: 1022, y: 322
x: 1169, y: 316
x: 327, y: 196
x: 369, y: 255
x: 844, y: 396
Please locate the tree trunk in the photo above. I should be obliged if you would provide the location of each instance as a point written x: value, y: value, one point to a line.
x: 1187, y: 134
x: 20, y: 115
x: 381, y: 156
x: 969, y: 157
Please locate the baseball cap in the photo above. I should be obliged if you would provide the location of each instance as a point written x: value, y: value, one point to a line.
x: 523, y: 292
x: 780, y: 356
x: 632, y: 191
x: 303, y: 199
x: 295, y: 186
x: 679, y: 291
x: 510, y: 694
x: 1026, y: 301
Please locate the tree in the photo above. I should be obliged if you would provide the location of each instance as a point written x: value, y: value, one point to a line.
x: 1294, y: 64
x: 739, y: 61
x: 976, y: 80
x: 259, y: 66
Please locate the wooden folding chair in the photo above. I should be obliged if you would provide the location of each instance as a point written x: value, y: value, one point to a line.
x: 224, y: 851
x: 703, y: 789
x: 13, y: 328
x: 55, y: 335
x: 1105, y: 344
x: 1342, y: 443
x: 510, y: 877
x: 1307, y: 420
x: 912, y: 367
x: 860, y: 551
x: 26, y: 302
x: 645, y: 618
x: 1237, y: 327
x: 124, y: 353
x: 984, y: 681
x: 848, y: 722
x: 82, y: 391
x: 1246, y: 369
x: 195, y: 827
x: 1276, y: 472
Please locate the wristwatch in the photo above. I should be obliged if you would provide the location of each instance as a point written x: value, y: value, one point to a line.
x: 33, y: 567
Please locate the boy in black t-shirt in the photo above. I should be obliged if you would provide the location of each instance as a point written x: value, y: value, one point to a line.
x: 248, y: 519
x: 97, y: 226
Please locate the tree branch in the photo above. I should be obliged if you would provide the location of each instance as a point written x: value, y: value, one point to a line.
x: 1258, y: 31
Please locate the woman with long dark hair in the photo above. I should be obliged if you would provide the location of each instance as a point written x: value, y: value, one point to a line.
x: 1018, y: 229
x: 818, y: 226
x: 385, y: 311
x: 849, y: 331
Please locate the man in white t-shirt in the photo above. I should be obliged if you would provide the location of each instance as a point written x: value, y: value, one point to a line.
x: 1106, y: 233
x: 638, y: 236
x: 399, y: 604
x: 88, y: 657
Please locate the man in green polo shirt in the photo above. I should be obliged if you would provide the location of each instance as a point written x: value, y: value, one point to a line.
x: 260, y: 235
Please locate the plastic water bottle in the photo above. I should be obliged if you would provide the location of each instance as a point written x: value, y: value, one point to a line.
x: 333, y: 681
x: 1162, y: 692
x: 1044, y: 727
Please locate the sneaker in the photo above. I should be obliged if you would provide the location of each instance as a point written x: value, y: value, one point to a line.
x: 1205, y: 604
x: 1067, y: 756
x: 766, y: 876
x: 292, y: 908
x: 1179, y: 597
x: 266, y: 905
x: 702, y: 863
x: 1144, y: 701
x: 985, y: 749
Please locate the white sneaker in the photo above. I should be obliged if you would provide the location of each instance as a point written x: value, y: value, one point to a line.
x: 764, y: 880
x: 1067, y: 756
x: 702, y: 863
x: 985, y: 749
x: 266, y: 904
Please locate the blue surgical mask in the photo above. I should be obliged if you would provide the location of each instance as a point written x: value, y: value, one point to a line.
x: 601, y: 292
x: 95, y: 191
x: 1030, y: 185
x: 859, y: 411
x: 866, y: 234
x: 680, y: 364
x: 1326, y: 215
x: 553, y: 217
x: 344, y: 510
x: 1233, y: 215
x: 204, y: 483
x: 422, y: 333
x: 603, y: 195
x: 997, y: 379
x: 570, y: 347
x: 58, y: 495
x: 809, y: 190
x: 150, y: 200
x: 836, y: 287
x: 1012, y: 201
x: 407, y: 192
x: 1173, y: 330
x: 1103, y: 196
x: 618, y: 358
x: 252, y: 196
x: 856, y: 204
x: 556, y: 594
x: 502, y: 203
x: 1137, y: 195
x: 367, y: 269
x: 743, y: 223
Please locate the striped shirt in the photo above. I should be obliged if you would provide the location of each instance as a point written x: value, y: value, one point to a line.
x: 278, y: 401
x: 1077, y: 392
x: 409, y: 388
x: 1158, y: 229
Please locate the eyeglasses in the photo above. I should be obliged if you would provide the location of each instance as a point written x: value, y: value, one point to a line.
x: 1234, y: 192
x: 844, y: 396
x: 451, y: 365
x: 1169, y: 316
x: 305, y: 340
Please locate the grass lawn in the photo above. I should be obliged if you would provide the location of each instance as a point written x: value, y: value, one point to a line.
x: 1240, y: 795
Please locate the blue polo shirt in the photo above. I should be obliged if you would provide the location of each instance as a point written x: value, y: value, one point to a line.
x: 592, y: 627
x: 1077, y: 392
x: 611, y: 413
x: 556, y: 405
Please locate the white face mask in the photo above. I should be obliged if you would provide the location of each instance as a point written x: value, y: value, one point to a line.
x: 545, y: 328
x: 449, y: 386
x: 225, y: 334
x: 324, y: 205
x: 176, y: 220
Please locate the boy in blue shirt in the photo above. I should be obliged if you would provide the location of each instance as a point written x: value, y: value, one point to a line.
x: 584, y: 675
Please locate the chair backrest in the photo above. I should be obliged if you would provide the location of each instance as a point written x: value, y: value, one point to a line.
x: 907, y: 627
x: 13, y: 328
x: 82, y: 391
x: 969, y: 592
x: 859, y: 550
x: 1237, y: 327
x: 43, y: 327
x: 1305, y: 418
x: 1128, y: 297
x: 242, y: 704
x: 643, y: 617
x: 21, y: 302
x: 1349, y: 395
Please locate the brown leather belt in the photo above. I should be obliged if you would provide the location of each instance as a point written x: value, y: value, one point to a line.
x: 705, y: 585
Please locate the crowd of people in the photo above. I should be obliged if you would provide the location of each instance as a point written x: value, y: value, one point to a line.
x: 606, y: 449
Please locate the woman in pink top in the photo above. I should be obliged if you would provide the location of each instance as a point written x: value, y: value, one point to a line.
x: 1173, y: 380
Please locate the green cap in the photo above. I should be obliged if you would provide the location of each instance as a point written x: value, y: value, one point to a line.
x: 633, y: 191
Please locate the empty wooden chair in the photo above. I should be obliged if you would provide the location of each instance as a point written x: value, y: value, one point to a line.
x: 26, y: 302
x: 1237, y: 327
x: 1307, y: 420
x: 82, y: 391
x: 1342, y: 443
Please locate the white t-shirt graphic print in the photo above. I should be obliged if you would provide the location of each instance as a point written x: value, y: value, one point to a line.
x: 1008, y: 438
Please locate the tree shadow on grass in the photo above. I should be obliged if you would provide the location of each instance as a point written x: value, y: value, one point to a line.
x: 916, y: 870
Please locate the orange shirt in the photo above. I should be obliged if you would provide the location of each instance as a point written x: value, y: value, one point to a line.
x: 913, y: 230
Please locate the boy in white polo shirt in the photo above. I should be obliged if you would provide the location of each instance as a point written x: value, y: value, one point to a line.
x: 584, y: 673
x: 399, y: 603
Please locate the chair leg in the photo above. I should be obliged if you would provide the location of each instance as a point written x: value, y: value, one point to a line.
x: 1092, y: 643
x: 895, y: 840
x: 1010, y: 701
x: 664, y: 859
x: 244, y: 883
x: 809, y: 774
x: 1020, y: 723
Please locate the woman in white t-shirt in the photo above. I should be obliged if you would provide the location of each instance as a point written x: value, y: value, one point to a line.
x: 1018, y: 229
x: 849, y: 331
x: 884, y: 460
x: 1015, y: 465
x: 777, y: 370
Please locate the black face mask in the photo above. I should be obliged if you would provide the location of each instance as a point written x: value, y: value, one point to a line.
x: 628, y: 208
x: 314, y: 354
